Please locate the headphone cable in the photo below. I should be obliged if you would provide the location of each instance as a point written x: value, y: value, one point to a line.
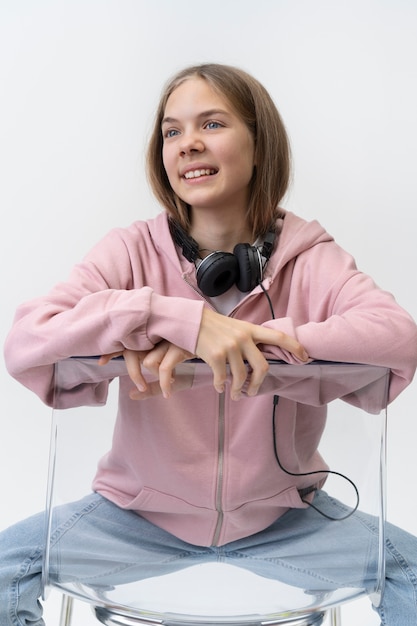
x: 329, y: 517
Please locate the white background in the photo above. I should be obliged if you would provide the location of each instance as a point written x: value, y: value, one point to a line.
x: 79, y: 81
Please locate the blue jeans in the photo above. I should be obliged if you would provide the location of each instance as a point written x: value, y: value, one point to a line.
x: 101, y: 543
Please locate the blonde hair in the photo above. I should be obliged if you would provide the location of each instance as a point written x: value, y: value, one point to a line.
x: 253, y: 104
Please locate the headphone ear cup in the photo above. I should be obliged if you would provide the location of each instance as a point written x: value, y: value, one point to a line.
x: 217, y: 273
x: 249, y: 267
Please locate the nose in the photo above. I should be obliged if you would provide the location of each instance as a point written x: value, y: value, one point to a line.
x: 191, y: 142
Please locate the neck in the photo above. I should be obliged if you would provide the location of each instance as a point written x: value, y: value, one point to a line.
x: 218, y: 234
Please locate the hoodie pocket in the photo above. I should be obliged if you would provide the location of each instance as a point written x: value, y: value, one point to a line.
x: 159, y: 502
x: 287, y: 499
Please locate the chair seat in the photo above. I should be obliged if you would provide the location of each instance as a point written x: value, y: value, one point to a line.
x: 218, y: 594
x: 110, y: 618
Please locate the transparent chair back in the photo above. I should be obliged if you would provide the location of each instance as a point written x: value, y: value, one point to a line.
x: 353, y: 444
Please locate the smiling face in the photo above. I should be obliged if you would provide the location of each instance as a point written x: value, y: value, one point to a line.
x: 208, y: 151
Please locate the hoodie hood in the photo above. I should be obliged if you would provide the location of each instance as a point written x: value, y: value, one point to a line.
x: 297, y: 236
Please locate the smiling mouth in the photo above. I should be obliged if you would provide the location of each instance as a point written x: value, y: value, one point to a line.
x: 199, y: 173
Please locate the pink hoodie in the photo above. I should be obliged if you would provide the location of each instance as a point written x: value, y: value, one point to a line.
x: 134, y: 289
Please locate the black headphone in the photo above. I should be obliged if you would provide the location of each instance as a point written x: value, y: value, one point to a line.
x: 218, y: 271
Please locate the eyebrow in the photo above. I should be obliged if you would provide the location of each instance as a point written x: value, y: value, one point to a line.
x: 209, y: 113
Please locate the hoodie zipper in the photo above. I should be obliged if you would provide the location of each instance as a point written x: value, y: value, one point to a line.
x: 197, y: 291
x: 220, y: 470
x: 267, y: 282
x: 220, y: 444
x: 221, y: 438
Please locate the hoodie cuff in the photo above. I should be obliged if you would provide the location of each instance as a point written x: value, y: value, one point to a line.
x: 284, y: 325
x: 177, y: 320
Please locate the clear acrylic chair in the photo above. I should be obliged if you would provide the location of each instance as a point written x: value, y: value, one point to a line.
x: 218, y: 593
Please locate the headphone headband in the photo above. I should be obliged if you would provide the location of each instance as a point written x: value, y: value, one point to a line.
x: 188, y: 245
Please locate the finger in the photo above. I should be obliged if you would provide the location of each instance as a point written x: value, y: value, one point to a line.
x: 134, y: 370
x: 239, y: 373
x: 218, y: 365
x: 153, y: 389
x: 152, y: 360
x: 106, y: 358
x: 259, y: 368
x: 173, y: 357
x: 251, y: 371
x: 181, y: 382
x: 281, y: 340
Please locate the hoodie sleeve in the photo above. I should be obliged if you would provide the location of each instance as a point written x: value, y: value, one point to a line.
x: 104, y: 307
x: 339, y: 314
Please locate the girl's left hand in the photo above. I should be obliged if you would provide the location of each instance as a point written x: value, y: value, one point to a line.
x: 160, y: 362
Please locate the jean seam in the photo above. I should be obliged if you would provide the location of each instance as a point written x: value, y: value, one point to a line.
x: 63, y: 528
x: 15, y: 583
x: 407, y: 571
x: 37, y: 555
x: 285, y: 565
x: 404, y: 566
x: 125, y: 567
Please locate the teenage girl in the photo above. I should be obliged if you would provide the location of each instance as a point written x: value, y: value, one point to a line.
x: 227, y: 275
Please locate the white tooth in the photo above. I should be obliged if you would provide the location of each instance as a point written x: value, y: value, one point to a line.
x: 197, y: 173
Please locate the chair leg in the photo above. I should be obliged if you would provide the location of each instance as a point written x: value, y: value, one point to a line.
x: 335, y: 616
x: 66, y: 611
